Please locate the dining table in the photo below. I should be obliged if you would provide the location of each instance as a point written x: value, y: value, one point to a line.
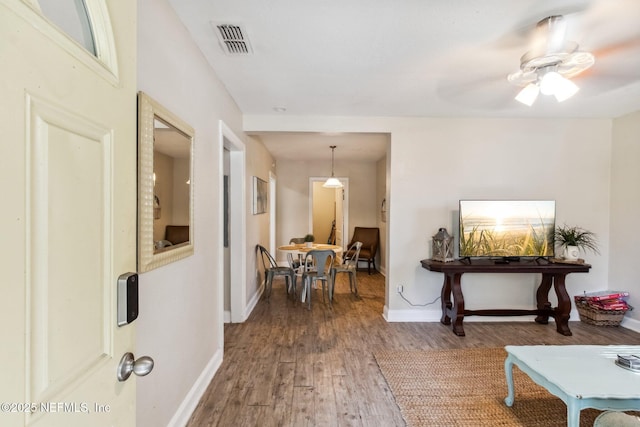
x: 300, y: 251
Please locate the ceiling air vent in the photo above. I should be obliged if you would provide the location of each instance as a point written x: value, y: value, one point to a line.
x: 233, y: 39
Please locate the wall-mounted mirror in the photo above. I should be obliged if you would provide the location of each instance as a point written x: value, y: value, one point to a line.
x: 165, y: 185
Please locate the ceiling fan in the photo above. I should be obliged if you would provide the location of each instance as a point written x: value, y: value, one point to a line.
x: 550, y: 64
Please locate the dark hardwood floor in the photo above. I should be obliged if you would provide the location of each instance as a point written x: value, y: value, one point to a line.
x: 287, y: 366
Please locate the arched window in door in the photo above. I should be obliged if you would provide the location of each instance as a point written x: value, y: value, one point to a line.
x: 83, y: 28
x: 72, y: 17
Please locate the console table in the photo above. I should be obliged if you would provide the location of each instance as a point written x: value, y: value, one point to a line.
x: 453, y: 312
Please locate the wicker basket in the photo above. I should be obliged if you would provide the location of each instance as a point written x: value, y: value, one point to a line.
x: 599, y: 317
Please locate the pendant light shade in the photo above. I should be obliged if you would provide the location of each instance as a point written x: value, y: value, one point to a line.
x: 332, y: 182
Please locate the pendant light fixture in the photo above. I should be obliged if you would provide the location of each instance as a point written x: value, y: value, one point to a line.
x: 332, y: 182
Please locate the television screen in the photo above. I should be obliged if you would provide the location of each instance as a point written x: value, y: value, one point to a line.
x: 507, y: 228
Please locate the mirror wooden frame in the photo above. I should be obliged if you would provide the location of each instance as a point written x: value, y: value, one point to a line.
x: 148, y: 257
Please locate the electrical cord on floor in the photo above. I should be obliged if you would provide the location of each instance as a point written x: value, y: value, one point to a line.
x: 417, y: 305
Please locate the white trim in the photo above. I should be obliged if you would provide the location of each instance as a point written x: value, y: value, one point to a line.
x: 102, y: 34
x: 191, y: 400
x: 272, y: 212
x: 434, y: 315
x: 630, y: 323
x: 253, y: 302
x: 238, y: 225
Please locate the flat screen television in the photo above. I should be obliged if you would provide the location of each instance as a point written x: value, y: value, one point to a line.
x: 507, y: 228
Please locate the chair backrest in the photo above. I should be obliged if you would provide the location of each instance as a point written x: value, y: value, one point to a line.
x: 267, y: 260
x: 369, y: 236
x: 352, y: 254
x: 177, y: 234
x: 320, y: 259
x: 290, y: 258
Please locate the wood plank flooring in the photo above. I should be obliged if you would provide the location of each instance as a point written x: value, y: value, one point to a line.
x: 287, y: 366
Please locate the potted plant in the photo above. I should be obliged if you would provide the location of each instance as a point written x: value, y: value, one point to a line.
x: 308, y: 240
x: 574, y: 239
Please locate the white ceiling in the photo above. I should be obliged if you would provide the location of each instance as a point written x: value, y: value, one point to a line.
x: 408, y: 58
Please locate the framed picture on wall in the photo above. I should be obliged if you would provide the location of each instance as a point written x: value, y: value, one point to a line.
x: 259, y: 196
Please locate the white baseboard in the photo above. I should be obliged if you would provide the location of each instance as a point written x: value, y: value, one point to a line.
x: 632, y: 324
x: 412, y: 315
x: 248, y: 309
x: 253, y: 302
x: 188, y: 405
x: 415, y: 315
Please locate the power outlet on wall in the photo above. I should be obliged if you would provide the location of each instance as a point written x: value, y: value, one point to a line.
x: 400, y: 289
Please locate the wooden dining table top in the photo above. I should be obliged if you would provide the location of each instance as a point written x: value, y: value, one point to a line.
x: 302, y: 248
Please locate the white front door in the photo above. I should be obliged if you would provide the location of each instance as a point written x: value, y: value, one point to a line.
x: 68, y: 217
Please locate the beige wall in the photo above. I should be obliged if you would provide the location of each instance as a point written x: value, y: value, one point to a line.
x: 259, y: 163
x: 434, y: 162
x: 625, y: 206
x: 381, y: 194
x: 163, y: 189
x: 323, y: 211
x: 181, y: 304
x: 293, y: 196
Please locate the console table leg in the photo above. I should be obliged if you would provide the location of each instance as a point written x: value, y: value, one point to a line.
x: 542, y: 297
x: 508, y: 372
x: 445, y: 300
x: 458, y: 305
x: 564, y: 305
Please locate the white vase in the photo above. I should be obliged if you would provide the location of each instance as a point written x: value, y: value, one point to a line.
x: 309, y: 244
x: 571, y: 253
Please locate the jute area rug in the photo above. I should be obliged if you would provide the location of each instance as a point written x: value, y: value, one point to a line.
x: 467, y: 387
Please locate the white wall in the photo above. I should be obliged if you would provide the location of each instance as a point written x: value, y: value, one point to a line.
x: 180, y: 322
x: 293, y: 196
x: 259, y: 163
x: 435, y: 162
x: 625, y: 205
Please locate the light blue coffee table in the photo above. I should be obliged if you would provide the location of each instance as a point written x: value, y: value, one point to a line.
x: 583, y: 376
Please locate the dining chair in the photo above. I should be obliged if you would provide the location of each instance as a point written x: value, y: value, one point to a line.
x: 272, y: 269
x: 293, y: 262
x: 318, y: 265
x: 349, y: 265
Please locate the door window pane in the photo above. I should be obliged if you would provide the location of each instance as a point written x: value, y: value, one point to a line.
x: 72, y: 18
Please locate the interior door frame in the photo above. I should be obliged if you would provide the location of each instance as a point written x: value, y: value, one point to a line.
x: 272, y: 211
x: 345, y: 205
x: 237, y: 226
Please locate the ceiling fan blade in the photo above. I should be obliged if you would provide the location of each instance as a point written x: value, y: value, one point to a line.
x: 605, y: 24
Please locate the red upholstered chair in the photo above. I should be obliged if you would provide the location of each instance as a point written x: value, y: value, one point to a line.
x: 370, y: 238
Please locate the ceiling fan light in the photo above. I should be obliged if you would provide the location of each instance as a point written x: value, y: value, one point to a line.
x: 528, y: 94
x: 565, y: 90
x: 550, y: 82
x: 332, y: 182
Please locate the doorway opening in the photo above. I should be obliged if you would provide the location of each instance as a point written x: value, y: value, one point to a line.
x: 329, y: 211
